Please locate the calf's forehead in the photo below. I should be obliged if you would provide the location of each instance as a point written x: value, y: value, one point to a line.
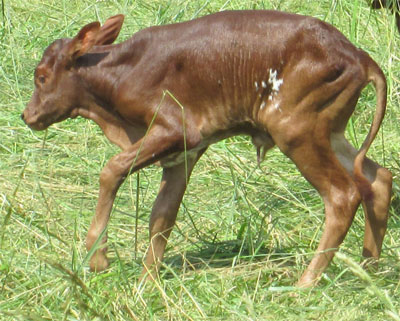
x: 50, y: 54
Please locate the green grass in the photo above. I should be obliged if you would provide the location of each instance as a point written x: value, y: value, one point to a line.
x: 244, y: 233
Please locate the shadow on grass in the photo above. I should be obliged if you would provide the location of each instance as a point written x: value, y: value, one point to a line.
x: 227, y: 254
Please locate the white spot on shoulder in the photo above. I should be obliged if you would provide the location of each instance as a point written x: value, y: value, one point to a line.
x: 277, y: 84
x: 272, y: 75
x: 256, y: 85
x: 276, y: 106
x: 274, y: 81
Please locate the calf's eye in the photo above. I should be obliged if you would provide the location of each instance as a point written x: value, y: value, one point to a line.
x: 42, y: 79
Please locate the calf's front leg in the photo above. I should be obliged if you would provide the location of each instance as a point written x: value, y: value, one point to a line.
x: 173, y: 185
x: 147, y: 150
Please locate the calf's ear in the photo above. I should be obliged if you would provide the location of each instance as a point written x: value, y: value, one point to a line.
x: 84, y: 40
x: 110, y: 30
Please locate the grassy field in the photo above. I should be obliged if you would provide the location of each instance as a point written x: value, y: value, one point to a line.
x: 244, y: 233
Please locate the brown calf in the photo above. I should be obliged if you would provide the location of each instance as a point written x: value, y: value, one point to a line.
x: 168, y: 92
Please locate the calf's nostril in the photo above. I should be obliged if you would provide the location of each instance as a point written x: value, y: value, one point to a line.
x: 22, y: 116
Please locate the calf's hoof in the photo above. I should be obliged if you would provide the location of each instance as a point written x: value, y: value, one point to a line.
x: 98, y: 262
x: 307, y: 280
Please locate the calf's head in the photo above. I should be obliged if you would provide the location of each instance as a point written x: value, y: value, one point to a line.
x: 58, y: 88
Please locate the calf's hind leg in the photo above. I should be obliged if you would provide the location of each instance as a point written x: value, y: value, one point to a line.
x: 319, y: 165
x: 377, y: 207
